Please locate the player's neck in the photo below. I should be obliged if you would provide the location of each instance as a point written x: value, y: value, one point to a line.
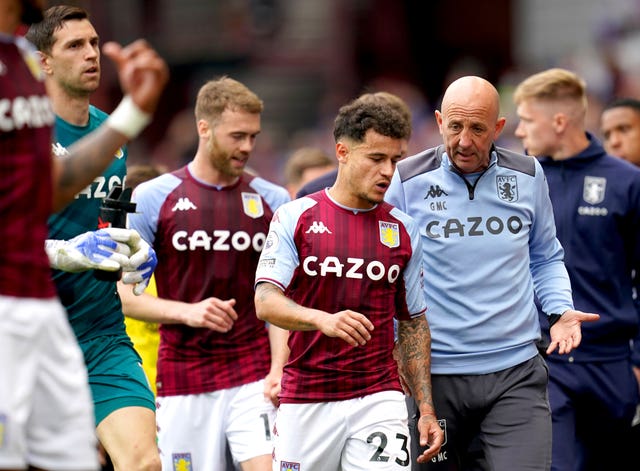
x: 72, y: 109
x: 208, y: 174
x: 346, y: 198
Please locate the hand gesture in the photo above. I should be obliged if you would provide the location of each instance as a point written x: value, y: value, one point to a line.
x: 211, y: 313
x: 350, y: 326
x: 566, y: 333
x: 431, y: 436
x: 142, y: 72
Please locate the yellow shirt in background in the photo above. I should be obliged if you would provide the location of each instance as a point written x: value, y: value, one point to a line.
x: 146, y: 339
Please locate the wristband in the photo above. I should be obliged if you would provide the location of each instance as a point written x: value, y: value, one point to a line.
x: 553, y: 318
x: 128, y: 118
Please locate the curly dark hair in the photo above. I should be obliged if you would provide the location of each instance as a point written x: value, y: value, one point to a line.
x: 383, y: 112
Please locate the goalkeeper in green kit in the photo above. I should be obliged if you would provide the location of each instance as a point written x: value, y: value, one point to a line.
x: 124, y: 404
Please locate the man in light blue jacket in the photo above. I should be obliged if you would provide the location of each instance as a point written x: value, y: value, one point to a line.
x: 489, y: 244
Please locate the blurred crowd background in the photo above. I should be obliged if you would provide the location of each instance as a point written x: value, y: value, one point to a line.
x: 305, y: 58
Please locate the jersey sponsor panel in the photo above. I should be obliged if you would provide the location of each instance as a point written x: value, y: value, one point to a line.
x: 218, y: 240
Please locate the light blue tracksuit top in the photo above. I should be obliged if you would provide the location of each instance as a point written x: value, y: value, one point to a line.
x: 489, y: 241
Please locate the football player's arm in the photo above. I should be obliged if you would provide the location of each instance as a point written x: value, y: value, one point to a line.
x: 279, y: 356
x: 210, y: 313
x: 274, y: 307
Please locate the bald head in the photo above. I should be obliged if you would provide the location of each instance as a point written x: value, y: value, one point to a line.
x: 469, y: 123
x: 472, y: 92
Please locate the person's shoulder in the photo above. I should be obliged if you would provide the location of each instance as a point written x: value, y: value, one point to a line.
x: 160, y: 184
x: 289, y: 213
x: 319, y: 183
x: 418, y: 164
x: 621, y: 165
x: 268, y: 185
x: 96, y: 112
x: 409, y: 223
x: 274, y: 194
x: 516, y: 161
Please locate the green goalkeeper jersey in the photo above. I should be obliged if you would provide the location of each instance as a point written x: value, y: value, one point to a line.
x: 93, y: 306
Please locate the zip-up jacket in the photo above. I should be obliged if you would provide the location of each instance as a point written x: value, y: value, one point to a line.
x: 596, y: 202
x: 488, y: 242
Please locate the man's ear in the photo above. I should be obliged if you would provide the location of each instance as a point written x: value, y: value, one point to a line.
x: 560, y: 122
x: 44, y: 62
x: 204, y: 129
x: 342, y: 151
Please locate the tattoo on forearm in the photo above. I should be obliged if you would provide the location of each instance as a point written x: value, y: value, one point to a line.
x: 414, y: 348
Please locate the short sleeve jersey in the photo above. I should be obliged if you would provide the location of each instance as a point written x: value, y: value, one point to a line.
x: 93, y: 305
x: 26, y: 119
x: 329, y: 257
x: 208, y: 241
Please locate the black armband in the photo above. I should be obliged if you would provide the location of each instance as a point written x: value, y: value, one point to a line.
x: 553, y: 318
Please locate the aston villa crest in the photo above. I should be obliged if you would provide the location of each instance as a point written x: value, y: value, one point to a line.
x: 507, y: 188
x: 593, y: 190
x: 389, y: 234
x: 252, y: 205
x: 182, y: 462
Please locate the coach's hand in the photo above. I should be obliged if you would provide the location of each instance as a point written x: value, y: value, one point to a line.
x: 566, y: 333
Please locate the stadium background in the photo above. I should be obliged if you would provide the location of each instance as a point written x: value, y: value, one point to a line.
x: 307, y: 57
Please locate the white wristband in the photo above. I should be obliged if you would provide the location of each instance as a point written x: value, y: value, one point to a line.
x: 128, y: 119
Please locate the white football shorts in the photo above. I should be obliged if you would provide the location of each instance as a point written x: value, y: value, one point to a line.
x: 46, y: 412
x: 363, y: 434
x: 193, y: 429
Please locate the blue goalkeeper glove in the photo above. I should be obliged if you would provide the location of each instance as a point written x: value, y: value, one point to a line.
x: 140, y: 266
x: 92, y: 250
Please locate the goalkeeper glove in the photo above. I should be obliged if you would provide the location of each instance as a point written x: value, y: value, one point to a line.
x: 141, y: 264
x: 91, y: 250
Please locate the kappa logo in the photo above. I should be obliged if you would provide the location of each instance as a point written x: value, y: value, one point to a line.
x: 60, y: 150
x: 435, y: 192
x: 318, y: 228
x: 183, y: 204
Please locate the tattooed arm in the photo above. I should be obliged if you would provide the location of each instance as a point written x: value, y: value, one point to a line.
x: 414, y: 354
x: 274, y: 307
